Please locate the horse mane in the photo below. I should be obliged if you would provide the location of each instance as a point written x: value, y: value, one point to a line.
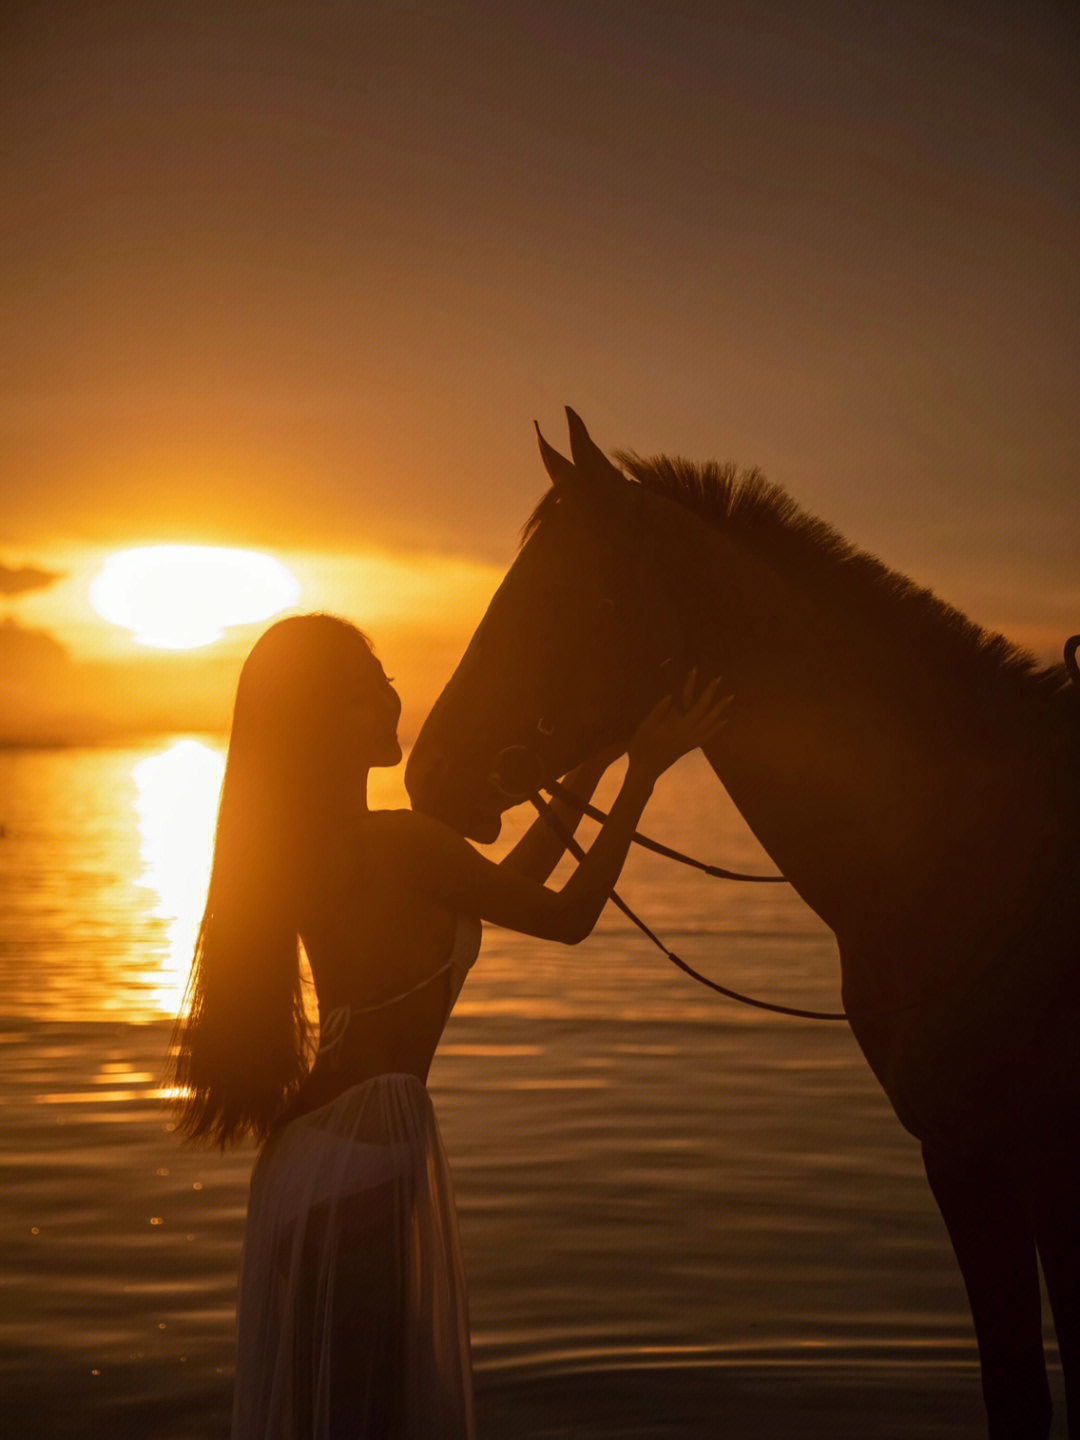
x: 923, y: 637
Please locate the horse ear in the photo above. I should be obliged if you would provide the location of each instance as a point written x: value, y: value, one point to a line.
x: 557, y: 466
x: 588, y: 457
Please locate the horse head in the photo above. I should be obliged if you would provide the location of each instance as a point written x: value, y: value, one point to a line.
x: 580, y: 638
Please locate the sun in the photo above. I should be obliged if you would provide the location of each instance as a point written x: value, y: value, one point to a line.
x: 178, y: 597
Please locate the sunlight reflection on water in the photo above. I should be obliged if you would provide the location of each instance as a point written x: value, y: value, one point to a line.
x: 176, y: 801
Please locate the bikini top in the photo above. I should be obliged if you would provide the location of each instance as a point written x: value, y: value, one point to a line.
x: 463, y: 952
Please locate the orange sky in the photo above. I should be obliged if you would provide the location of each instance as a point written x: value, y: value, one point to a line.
x: 300, y: 277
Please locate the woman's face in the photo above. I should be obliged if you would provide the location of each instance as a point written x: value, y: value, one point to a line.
x: 375, y: 710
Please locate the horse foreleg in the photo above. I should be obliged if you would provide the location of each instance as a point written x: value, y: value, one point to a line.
x: 991, y: 1232
x: 1054, y: 1177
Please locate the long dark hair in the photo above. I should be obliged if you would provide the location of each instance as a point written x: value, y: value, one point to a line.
x: 243, y: 1046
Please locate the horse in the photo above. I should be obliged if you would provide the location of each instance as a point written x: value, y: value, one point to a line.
x: 914, y: 777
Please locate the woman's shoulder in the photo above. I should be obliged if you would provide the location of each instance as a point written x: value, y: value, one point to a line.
x: 375, y: 868
x: 383, y: 832
x: 354, y: 850
x: 411, y: 851
x: 394, y: 848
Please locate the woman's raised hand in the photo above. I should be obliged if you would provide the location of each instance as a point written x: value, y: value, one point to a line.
x: 671, y: 730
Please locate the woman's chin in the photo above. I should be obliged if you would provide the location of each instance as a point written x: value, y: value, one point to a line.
x: 389, y: 757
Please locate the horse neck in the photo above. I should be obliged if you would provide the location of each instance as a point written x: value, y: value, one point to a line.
x: 860, y: 808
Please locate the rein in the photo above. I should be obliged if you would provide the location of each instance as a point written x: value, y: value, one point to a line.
x: 560, y: 792
x: 546, y: 812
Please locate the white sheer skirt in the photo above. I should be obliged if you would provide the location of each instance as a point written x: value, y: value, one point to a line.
x: 352, y: 1318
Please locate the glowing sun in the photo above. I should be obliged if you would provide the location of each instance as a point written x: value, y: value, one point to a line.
x: 178, y: 597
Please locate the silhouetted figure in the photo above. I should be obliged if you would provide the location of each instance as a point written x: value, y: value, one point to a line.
x: 916, y: 779
x: 352, y: 1316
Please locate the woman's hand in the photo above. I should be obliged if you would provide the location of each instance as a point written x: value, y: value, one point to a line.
x: 670, y: 731
x: 507, y: 894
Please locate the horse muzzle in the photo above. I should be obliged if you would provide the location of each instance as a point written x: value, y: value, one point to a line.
x: 441, y: 789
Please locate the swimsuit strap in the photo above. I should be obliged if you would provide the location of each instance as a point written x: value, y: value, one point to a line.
x: 332, y: 1032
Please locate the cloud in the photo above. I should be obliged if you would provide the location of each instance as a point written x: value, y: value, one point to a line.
x: 29, y: 654
x: 18, y: 581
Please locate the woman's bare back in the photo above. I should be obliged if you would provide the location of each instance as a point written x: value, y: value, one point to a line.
x: 374, y: 935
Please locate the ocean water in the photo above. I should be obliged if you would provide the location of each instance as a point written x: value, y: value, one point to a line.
x: 680, y: 1216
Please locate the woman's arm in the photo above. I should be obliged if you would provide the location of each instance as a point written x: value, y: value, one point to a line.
x: 541, y: 848
x: 437, y: 859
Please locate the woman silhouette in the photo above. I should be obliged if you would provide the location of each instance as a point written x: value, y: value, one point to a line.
x: 352, y: 1316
